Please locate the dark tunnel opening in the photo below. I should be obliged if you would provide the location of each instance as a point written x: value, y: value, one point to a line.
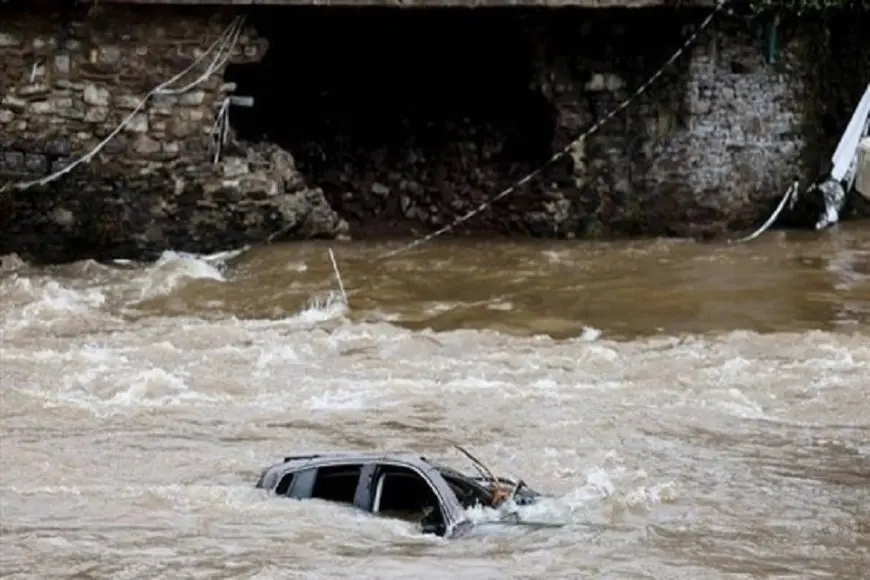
x: 405, y: 118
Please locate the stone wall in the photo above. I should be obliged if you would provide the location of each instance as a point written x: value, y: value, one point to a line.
x: 400, y: 146
x: 587, y: 65
x: 706, y: 150
x: 738, y: 145
x: 67, y: 81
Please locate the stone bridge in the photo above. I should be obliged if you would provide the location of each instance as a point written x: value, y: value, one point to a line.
x: 386, y: 122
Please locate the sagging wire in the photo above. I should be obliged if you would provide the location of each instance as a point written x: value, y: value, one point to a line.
x: 567, y: 149
x: 790, y: 195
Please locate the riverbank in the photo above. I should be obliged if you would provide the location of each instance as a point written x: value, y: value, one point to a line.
x: 357, y: 142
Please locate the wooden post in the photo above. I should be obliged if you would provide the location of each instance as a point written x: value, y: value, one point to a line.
x: 862, y: 181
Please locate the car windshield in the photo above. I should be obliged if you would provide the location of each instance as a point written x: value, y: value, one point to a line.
x: 469, y: 491
x: 477, y: 490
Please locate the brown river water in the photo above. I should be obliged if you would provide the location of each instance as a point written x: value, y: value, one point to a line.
x: 694, y: 410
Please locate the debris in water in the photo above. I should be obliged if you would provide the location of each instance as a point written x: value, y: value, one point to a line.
x: 338, y: 277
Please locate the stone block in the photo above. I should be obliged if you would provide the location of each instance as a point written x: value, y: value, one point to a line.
x: 145, y: 146
x: 14, y: 160
x: 62, y: 217
x: 62, y: 64
x: 73, y: 113
x: 96, y: 96
x: 192, y: 99
x: 58, y: 146
x: 180, y: 128
x: 69, y: 85
x: 128, y: 102
x: 161, y: 108
x: 172, y: 149
x: 138, y: 124
x: 96, y: 115
x: 604, y: 82
x: 233, y: 167
x: 8, y: 40
x: 14, y: 103
x: 163, y: 101
x: 862, y: 182
x: 61, y: 102
x: 34, y: 89
x: 158, y: 125
x: 109, y: 54
x: 41, y: 107
x: 191, y: 115
x: 36, y: 163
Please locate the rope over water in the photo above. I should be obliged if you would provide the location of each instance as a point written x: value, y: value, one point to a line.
x: 595, y: 127
x: 790, y: 195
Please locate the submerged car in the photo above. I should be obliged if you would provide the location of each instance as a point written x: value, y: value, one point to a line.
x: 408, y: 487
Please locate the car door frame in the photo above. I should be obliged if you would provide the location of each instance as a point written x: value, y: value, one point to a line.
x: 304, y: 479
x: 451, y: 510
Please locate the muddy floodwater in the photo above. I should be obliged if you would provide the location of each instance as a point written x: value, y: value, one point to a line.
x: 694, y: 410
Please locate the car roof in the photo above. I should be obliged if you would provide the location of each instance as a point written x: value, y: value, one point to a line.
x: 354, y: 457
x: 299, y: 460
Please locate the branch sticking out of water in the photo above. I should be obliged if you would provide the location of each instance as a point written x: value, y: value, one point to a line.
x: 338, y: 277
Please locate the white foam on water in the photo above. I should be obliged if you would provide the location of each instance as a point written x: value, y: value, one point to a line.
x: 11, y: 263
x: 590, y: 333
x: 174, y: 269
x: 321, y: 307
x: 619, y: 433
x: 29, y: 301
x: 439, y: 307
x: 69, y: 304
x: 502, y: 305
x: 38, y: 306
x: 616, y: 489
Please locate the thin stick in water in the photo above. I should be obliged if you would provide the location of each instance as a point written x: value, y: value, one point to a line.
x: 338, y: 277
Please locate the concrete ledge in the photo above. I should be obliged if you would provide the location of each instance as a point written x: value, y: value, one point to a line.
x: 862, y: 183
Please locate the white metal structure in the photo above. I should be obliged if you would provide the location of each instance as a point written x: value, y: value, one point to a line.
x: 845, y: 163
x: 862, y: 181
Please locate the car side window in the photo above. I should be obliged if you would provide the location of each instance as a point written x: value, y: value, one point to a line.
x: 404, y: 493
x: 297, y: 484
x: 284, y: 485
x: 336, y: 483
x: 402, y: 489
